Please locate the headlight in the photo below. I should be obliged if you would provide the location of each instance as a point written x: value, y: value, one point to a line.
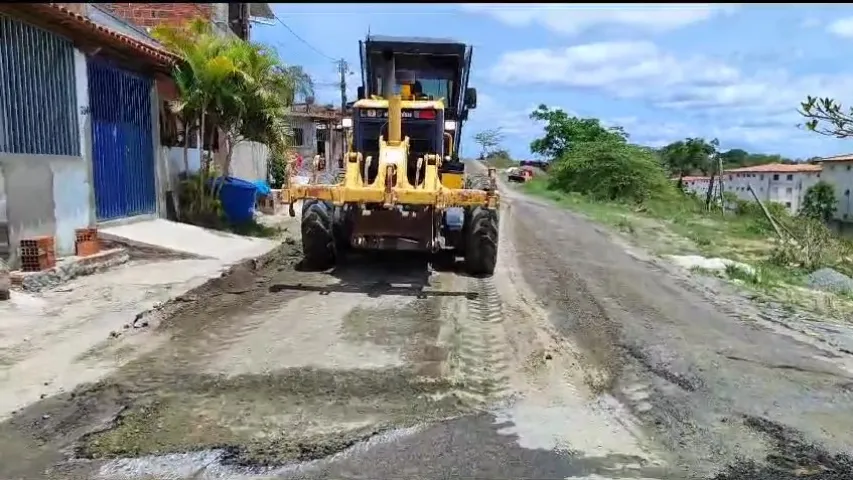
x: 346, y: 122
x: 450, y: 125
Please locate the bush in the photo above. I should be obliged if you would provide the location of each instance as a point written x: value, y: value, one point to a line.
x: 612, y: 171
x: 819, y: 202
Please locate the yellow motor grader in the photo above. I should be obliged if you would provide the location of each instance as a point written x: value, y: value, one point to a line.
x: 403, y: 187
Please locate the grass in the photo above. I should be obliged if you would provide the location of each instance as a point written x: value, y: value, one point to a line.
x: 683, y: 227
x: 679, y: 227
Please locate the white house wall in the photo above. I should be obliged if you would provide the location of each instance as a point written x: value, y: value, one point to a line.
x: 49, y: 194
x: 771, y: 186
x: 840, y: 175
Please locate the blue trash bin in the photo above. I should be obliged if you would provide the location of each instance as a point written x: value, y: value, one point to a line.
x: 237, y: 197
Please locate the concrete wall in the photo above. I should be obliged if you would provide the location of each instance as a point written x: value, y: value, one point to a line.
x: 308, y: 148
x: 785, y: 188
x: 840, y: 174
x: 249, y: 161
x: 45, y: 195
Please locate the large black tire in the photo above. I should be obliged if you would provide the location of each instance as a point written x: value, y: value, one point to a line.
x: 318, y: 237
x: 481, y: 242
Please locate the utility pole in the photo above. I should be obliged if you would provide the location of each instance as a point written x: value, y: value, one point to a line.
x: 343, y: 69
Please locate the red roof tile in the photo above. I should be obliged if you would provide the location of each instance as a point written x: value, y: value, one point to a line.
x: 778, y: 168
x: 847, y: 157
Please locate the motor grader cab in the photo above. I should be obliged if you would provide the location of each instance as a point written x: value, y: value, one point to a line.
x: 398, y: 192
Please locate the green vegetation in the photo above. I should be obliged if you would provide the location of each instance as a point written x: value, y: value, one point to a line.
x: 819, y: 202
x: 231, y: 91
x: 597, y: 171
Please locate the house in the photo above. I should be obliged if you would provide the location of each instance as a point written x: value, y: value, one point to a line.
x: 317, y: 130
x: 81, y: 144
x: 838, y: 171
x: 775, y: 182
x: 699, y: 185
x: 227, y: 18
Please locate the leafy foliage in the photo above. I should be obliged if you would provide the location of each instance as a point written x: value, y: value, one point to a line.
x: 597, y: 161
x: 563, y: 131
x: 827, y: 117
x: 240, y: 89
x: 819, y: 202
x: 611, y: 171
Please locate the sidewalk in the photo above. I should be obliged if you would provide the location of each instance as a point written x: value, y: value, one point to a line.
x: 80, y: 331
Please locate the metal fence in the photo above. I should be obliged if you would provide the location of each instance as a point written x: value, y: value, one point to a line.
x: 38, y: 98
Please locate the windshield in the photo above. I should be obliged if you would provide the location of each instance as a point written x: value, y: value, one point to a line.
x: 432, y: 84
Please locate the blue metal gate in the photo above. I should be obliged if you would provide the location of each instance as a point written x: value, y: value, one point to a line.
x: 122, y: 141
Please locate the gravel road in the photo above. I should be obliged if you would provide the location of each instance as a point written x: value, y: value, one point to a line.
x: 580, y: 358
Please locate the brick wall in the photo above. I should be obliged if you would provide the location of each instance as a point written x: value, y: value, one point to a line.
x: 153, y: 14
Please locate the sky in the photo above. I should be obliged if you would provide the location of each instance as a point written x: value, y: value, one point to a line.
x: 663, y: 72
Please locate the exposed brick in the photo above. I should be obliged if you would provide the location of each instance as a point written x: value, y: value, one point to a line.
x: 153, y: 14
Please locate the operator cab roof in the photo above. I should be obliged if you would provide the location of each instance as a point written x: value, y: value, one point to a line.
x: 415, y: 45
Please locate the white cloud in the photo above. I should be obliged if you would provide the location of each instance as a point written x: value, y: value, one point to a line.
x: 640, y: 70
x: 843, y: 27
x: 573, y: 19
x: 616, y: 66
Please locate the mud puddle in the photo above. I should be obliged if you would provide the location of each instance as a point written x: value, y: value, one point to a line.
x: 263, y: 375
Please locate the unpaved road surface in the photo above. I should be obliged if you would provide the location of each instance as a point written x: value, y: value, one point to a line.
x: 579, y: 359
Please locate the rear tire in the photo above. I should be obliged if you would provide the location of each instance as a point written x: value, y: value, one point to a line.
x: 318, y: 237
x: 481, y: 245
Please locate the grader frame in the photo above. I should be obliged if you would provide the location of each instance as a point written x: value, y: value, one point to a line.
x: 401, y: 199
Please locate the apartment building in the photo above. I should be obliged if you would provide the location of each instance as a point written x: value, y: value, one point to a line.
x: 699, y: 185
x: 785, y: 184
x: 838, y: 171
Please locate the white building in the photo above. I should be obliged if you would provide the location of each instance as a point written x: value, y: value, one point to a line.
x: 776, y: 182
x: 699, y: 185
x: 838, y: 171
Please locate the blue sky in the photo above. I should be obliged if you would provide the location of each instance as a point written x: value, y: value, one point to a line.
x: 663, y: 72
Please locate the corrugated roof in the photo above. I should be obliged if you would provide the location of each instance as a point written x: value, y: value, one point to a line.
x: 48, y: 14
x: 778, y: 168
x: 694, y: 179
x: 847, y: 157
x: 261, y: 10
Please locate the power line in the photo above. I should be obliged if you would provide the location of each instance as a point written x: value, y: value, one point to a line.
x: 312, y: 47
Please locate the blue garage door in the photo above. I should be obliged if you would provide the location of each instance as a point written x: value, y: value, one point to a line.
x: 122, y: 143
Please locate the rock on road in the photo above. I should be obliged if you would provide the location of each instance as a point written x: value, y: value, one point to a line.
x: 580, y: 358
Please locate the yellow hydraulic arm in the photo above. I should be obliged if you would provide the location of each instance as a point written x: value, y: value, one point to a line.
x: 391, y: 185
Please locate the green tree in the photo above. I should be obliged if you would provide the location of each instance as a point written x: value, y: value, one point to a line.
x: 611, y: 171
x: 240, y: 89
x: 691, y: 155
x: 819, y: 202
x: 563, y: 131
x: 488, y: 140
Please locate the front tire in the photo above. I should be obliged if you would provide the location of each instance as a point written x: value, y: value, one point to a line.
x: 318, y: 237
x: 481, y: 246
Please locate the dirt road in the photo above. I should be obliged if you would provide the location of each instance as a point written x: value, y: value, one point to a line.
x: 579, y: 359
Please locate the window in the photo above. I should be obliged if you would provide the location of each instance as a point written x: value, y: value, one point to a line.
x: 788, y: 204
x: 846, y: 193
x: 789, y: 190
x: 298, y: 137
x: 39, y: 97
x: 848, y: 167
x: 818, y: 175
x: 789, y: 177
x: 761, y: 177
x: 776, y: 176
